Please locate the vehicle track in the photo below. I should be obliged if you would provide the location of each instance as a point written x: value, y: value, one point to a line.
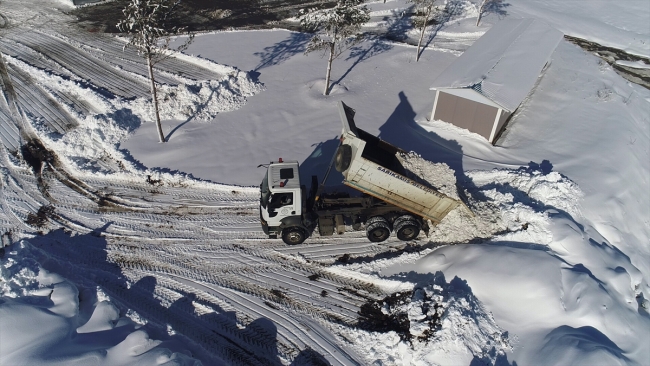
x: 38, y: 103
x: 184, y: 253
x: 86, y: 67
x: 111, y: 49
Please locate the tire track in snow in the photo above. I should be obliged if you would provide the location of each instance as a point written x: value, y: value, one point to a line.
x: 35, y: 101
x: 82, y: 65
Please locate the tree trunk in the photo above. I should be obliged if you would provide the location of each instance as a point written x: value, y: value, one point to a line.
x: 329, y: 70
x: 423, y: 27
x: 154, y: 96
x: 480, y: 12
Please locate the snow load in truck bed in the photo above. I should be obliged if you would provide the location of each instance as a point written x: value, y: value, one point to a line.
x: 375, y: 167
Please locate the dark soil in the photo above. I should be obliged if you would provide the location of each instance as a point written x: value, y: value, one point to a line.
x: 35, y: 154
x: 39, y: 220
x: 199, y: 15
x: 373, y: 319
x: 611, y: 55
x: 39, y: 157
x: 386, y: 315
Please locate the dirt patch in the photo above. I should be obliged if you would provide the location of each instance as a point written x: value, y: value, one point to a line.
x: 391, y: 314
x: 199, y: 15
x: 39, y: 158
x: 40, y: 219
x: 611, y: 55
x: 35, y: 154
x: 385, y: 315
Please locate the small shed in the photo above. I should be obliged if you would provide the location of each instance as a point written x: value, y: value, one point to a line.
x: 487, y: 83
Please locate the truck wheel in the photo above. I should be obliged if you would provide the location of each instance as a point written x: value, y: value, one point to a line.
x: 377, y: 229
x: 343, y: 158
x: 407, y: 230
x: 293, y: 236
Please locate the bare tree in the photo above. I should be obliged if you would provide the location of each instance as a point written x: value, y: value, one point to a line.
x: 146, y: 23
x: 424, y: 11
x: 335, y: 29
x: 491, y: 6
x: 481, y: 9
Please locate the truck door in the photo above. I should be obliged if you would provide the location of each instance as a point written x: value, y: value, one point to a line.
x: 282, y: 203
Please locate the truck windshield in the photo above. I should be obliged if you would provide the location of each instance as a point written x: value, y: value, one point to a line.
x: 265, y: 193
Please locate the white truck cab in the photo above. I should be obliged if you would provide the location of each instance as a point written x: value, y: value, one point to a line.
x: 281, y: 198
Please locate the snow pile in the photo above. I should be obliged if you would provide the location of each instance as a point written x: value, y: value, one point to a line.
x: 96, y: 138
x: 460, y: 225
x: 17, y: 279
x: 512, y: 204
x: 438, y: 175
x: 447, y: 325
x: 534, y: 187
x: 201, y: 99
x: 41, y: 322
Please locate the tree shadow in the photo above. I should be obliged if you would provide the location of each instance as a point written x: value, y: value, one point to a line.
x: 496, y: 7
x: 398, y: 26
x: 282, y: 51
x: 196, y: 112
x: 452, y: 9
x: 362, y: 53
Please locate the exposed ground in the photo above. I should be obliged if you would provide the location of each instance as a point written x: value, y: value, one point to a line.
x: 200, y: 15
x: 188, y: 257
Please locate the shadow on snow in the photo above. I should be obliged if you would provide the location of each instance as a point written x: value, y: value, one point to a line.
x: 83, y: 260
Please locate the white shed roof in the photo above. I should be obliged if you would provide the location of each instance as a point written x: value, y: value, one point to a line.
x: 505, y: 62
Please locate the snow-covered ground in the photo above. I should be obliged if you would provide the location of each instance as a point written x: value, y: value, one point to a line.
x: 124, y: 250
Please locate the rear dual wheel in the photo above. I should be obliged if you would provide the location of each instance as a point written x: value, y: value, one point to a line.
x: 406, y: 227
x: 377, y: 229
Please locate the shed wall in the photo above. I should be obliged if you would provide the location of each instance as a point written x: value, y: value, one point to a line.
x: 474, y: 116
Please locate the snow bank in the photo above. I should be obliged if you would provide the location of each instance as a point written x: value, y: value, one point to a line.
x: 446, y: 323
x: 511, y: 202
x: 93, y: 146
x: 41, y: 322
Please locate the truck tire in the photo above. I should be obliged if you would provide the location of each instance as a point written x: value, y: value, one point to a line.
x: 293, y: 236
x: 407, y: 230
x: 377, y: 229
x: 343, y: 158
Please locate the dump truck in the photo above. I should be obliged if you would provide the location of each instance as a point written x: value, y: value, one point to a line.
x: 387, y: 201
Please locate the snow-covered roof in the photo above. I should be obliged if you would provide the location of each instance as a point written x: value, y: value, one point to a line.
x: 505, y: 62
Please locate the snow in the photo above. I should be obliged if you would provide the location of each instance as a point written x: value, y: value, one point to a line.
x: 505, y: 62
x: 634, y: 64
x: 550, y: 267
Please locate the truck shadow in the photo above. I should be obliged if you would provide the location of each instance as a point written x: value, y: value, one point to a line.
x: 402, y: 131
x: 317, y: 164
